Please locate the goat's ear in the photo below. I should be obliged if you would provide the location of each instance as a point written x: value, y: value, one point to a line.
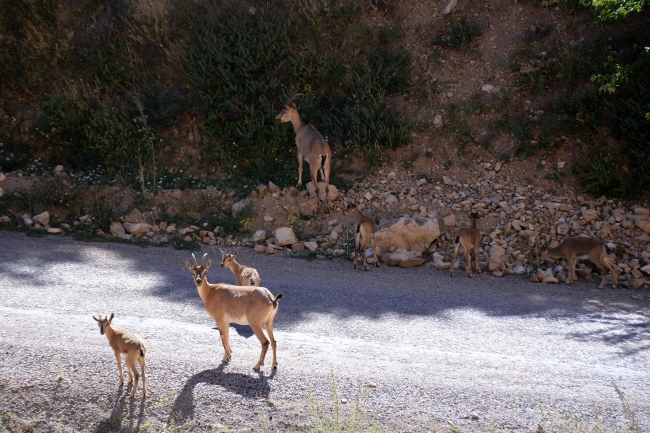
x: 96, y: 319
x: 234, y: 255
x: 189, y: 266
x: 111, y: 319
x: 207, y: 265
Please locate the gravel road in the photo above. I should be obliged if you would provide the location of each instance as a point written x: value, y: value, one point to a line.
x: 438, y: 349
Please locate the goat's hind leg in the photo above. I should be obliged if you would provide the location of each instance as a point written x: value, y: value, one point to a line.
x: 467, y: 259
x: 453, y: 260
x: 269, y: 330
x: 131, y: 359
x: 259, y: 333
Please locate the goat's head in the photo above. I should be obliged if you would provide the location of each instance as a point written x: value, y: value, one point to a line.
x: 289, y: 109
x: 103, y: 323
x: 199, y: 271
x: 226, y: 259
x: 353, y: 208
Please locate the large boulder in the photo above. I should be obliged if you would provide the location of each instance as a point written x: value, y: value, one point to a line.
x: 285, y: 236
x: 409, y: 234
x: 403, y: 258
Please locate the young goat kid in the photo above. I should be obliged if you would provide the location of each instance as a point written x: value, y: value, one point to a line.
x: 582, y: 248
x: 244, y: 275
x: 244, y: 305
x: 129, y: 344
x: 311, y: 146
x: 364, y: 236
x: 469, y: 238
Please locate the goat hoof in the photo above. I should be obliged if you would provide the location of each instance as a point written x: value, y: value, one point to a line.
x: 275, y: 367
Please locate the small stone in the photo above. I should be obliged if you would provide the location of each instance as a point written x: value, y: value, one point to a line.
x: 637, y: 283
x: 474, y: 416
x: 437, y: 121
x: 371, y: 385
x: 42, y: 218
x: 638, y: 297
x: 54, y: 231
x: 58, y: 169
x: 561, y: 164
x: 116, y: 228
x: 449, y: 220
x: 298, y: 246
x: 2, y: 177
x: 259, y: 248
x: 268, y: 218
x: 5, y: 219
x: 519, y: 270
x: 489, y: 88
x: 311, y: 246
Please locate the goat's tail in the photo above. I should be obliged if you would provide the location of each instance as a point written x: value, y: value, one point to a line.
x: 275, y: 300
x: 141, y: 353
x: 457, y: 239
x: 252, y: 281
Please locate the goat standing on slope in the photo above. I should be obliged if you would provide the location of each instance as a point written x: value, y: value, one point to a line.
x: 244, y: 275
x: 582, y: 248
x: 312, y: 147
x: 129, y: 344
x: 469, y: 238
x: 364, y: 229
x: 244, y: 305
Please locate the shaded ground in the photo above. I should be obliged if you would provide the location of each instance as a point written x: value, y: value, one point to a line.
x: 438, y: 348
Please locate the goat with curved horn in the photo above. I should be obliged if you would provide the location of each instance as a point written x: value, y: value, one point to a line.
x: 312, y: 147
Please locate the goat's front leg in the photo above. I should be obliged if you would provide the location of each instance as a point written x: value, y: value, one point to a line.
x: 119, y: 366
x: 478, y: 266
x: 223, y: 332
x: 374, y: 250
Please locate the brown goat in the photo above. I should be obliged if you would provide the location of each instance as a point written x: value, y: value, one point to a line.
x: 129, y: 344
x: 582, y: 248
x: 244, y: 305
x: 312, y: 147
x: 469, y: 238
x: 364, y: 229
x: 244, y: 275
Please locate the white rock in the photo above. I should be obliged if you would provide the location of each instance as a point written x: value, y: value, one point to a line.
x: 311, y: 246
x: 268, y: 218
x: 416, y: 234
x: 391, y: 199
x: 489, y: 88
x: 450, y: 7
x: 2, y: 177
x: 437, y: 121
x: 54, y: 231
x: 5, y: 219
x: 58, y: 169
x: 259, y: 236
x: 519, y: 270
x: 646, y: 269
x: 285, y: 236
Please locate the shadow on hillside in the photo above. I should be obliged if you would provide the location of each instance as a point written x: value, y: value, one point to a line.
x: 334, y: 288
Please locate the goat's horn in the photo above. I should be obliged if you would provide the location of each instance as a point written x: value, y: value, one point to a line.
x: 194, y: 257
x: 203, y: 258
x: 294, y: 97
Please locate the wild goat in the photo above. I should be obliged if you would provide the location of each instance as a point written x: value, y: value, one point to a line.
x: 129, y: 344
x: 364, y: 228
x: 469, y: 238
x: 582, y: 248
x: 311, y: 146
x: 244, y: 275
x: 244, y: 305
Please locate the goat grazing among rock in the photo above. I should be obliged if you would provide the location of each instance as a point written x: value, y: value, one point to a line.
x: 244, y: 305
x: 582, y: 248
x: 312, y: 147
x: 469, y: 238
x: 244, y: 275
x: 129, y: 344
x: 364, y: 228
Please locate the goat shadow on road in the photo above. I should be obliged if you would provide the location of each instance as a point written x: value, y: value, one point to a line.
x: 332, y: 287
x: 114, y: 421
x: 250, y: 387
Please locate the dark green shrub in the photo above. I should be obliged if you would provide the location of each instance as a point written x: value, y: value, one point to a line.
x: 461, y: 34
